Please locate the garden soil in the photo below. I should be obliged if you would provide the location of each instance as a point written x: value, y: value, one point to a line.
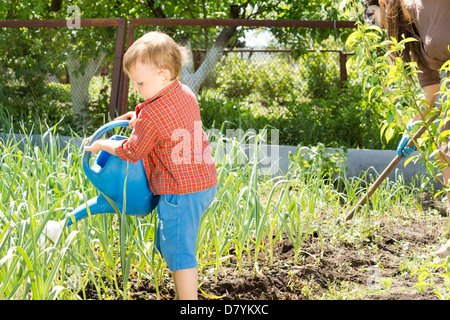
x: 371, y: 269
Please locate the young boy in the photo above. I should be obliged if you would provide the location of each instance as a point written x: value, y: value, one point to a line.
x: 168, y: 136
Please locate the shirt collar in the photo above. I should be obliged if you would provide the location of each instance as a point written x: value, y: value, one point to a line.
x: 160, y: 94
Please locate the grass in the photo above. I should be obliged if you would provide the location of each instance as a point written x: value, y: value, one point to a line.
x: 251, y: 215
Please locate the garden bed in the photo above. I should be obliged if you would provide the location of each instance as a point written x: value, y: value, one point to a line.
x: 378, y: 268
x: 262, y: 238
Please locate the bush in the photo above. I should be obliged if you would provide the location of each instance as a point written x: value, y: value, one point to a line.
x: 343, y: 118
x: 319, y: 72
x: 22, y: 107
x: 235, y: 76
x: 47, y: 107
x: 277, y: 80
x: 273, y: 79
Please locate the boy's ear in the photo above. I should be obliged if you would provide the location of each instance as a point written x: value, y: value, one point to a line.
x: 164, y: 75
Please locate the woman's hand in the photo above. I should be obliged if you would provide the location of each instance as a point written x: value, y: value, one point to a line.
x: 129, y: 115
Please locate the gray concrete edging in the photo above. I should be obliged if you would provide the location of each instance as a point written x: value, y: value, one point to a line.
x: 274, y: 159
x: 359, y: 161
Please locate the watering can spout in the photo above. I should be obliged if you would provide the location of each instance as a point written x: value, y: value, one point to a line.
x: 123, y: 183
x: 120, y: 182
x: 93, y: 206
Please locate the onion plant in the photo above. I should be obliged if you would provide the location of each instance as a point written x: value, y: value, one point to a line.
x: 250, y: 217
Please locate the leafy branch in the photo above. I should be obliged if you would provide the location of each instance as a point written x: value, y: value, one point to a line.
x: 392, y: 81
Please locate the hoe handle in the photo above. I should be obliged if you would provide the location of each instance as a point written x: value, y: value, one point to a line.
x: 386, y: 171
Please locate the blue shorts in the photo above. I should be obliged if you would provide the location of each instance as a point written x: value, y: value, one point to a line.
x: 179, y: 221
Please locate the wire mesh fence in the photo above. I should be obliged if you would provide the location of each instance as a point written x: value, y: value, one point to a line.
x: 54, y: 73
x: 251, y: 82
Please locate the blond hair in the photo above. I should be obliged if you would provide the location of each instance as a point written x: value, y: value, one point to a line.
x: 158, y: 50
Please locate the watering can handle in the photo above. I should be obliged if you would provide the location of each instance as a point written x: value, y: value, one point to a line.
x: 98, y: 134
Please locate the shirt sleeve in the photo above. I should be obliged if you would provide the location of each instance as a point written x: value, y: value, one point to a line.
x: 427, y: 76
x: 142, y: 140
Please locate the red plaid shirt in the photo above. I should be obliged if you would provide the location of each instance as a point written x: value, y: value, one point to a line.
x: 169, y: 137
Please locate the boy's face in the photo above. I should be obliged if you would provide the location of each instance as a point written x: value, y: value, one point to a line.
x: 147, y: 80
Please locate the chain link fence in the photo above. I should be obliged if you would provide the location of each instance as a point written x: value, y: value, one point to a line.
x: 253, y: 82
x: 56, y: 74
x: 72, y: 76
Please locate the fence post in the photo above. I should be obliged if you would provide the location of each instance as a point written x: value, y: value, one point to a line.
x: 125, y: 81
x: 119, y: 102
x: 116, y: 99
x: 343, y: 69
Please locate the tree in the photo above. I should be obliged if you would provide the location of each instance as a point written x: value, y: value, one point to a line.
x: 84, y: 50
x: 79, y: 51
x: 298, y: 39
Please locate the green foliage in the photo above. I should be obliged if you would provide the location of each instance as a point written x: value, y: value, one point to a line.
x: 254, y: 96
x: 20, y: 50
x: 277, y: 79
x: 393, y: 83
x: 319, y: 161
x: 319, y: 72
x: 343, y: 118
x: 272, y: 78
x: 51, y: 106
x: 235, y: 77
x: 97, y: 110
x: 435, y: 275
x: 346, y: 121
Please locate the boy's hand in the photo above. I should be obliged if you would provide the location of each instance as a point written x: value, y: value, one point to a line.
x: 95, y: 147
x: 103, y: 144
x: 129, y: 115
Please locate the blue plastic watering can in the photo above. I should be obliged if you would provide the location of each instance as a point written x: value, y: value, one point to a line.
x: 108, y: 174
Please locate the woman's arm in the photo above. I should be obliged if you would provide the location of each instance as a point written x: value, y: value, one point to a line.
x: 431, y: 92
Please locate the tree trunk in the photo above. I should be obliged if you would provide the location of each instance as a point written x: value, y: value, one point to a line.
x: 56, y: 5
x: 80, y: 78
x: 194, y: 79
